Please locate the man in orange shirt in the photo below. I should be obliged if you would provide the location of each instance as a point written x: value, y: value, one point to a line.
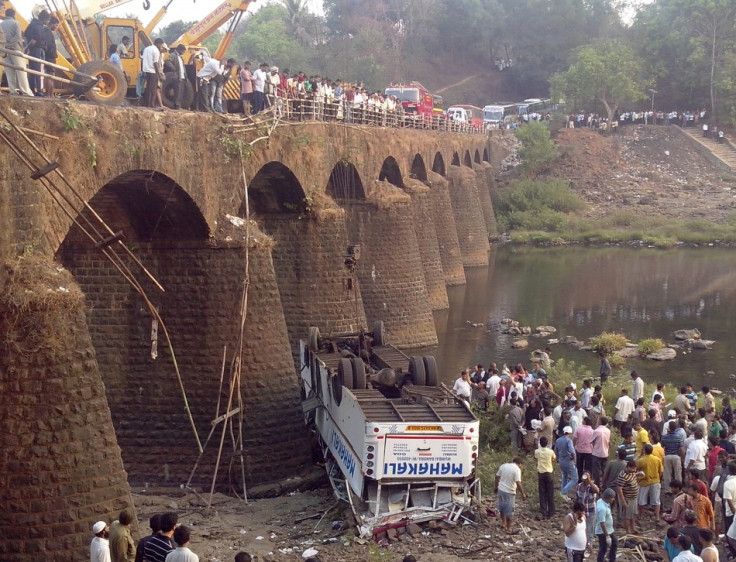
x: 705, y: 516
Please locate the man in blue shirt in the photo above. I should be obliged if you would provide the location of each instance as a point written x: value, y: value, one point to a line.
x: 565, y: 452
x: 607, y: 541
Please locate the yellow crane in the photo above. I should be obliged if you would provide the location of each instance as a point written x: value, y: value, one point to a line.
x: 87, y: 41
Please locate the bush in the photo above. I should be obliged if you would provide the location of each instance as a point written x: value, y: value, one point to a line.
x: 494, y: 432
x: 537, y: 148
x: 608, y: 342
x: 537, y: 205
x: 650, y: 345
x: 616, y: 361
x: 564, y: 372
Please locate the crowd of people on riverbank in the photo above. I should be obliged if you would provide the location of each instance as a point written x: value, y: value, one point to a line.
x: 685, y: 119
x: 667, y: 464
x: 168, y: 541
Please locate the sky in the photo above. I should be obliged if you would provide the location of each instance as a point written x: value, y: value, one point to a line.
x: 187, y: 10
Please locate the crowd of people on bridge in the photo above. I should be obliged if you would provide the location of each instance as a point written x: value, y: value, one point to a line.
x: 665, y: 462
x: 38, y: 42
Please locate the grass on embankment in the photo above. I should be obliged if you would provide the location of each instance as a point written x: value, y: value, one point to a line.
x: 495, y: 445
x: 545, y: 212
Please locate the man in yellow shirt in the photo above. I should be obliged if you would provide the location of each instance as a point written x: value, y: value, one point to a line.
x: 641, y: 436
x: 657, y: 446
x: 545, y: 457
x: 650, y: 470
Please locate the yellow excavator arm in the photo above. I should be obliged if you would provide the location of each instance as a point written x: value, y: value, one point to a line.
x: 227, y: 10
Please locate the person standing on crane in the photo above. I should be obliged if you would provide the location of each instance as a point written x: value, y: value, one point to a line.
x: 180, y: 73
x: 205, y: 77
x: 36, y: 47
x: 50, y: 55
x: 151, y: 68
x: 259, y: 94
x: 17, y: 79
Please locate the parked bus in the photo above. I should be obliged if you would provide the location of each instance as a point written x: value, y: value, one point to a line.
x: 468, y: 114
x: 534, y: 105
x: 495, y: 115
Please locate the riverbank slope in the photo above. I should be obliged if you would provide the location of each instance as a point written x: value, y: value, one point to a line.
x: 647, y: 183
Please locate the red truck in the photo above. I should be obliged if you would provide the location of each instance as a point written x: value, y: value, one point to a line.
x: 417, y: 102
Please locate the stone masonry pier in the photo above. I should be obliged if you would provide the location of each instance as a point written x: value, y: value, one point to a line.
x: 91, y: 398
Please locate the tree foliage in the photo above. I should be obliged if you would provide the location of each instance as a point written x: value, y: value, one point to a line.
x: 606, y: 71
x: 688, y: 45
x: 537, y: 148
x: 685, y: 48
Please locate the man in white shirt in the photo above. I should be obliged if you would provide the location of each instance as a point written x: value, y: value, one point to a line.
x: 624, y: 408
x: 696, y: 454
x: 17, y: 79
x: 638, y: 386
x: 508, y: 480
x: 211, y: 69
x: 462, y: 386
x: 182, y: 535
x: 260, y: 77
x: 493, y: 383
x: 151, y: 67
x: 99, y: 548
x: 686, y: 555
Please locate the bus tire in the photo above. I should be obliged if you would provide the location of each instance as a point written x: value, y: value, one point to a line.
x: 358, y: 373
x: 168, y: 92
x: 379, y: 337
x: 416, y: 370
x: 112, y: 87
x: 345, y: 373
x: 313, y: 339
x: 430, y: 370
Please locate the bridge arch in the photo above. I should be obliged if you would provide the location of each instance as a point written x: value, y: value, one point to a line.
x: 418, y: 169
x: 476, y: 159
x: 344, y: 183
x: 486, y: 157
x: 147, y: 206
x: 169, y: 236
x: 455, y: 159
x: 467, y: 160
x: 275, y: 190
x: 390, y: 172
x: 438, y: 164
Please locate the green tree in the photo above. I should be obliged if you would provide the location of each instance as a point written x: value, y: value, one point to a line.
x: 607, y: 71
x: 690, y: 42
x: 537, y: 148
x: 266, y: 39
x: 303, y: 25
x: 172, y: 31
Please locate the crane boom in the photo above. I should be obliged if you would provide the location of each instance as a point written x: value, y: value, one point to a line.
x: 90, y: 8
x: 212, y: 21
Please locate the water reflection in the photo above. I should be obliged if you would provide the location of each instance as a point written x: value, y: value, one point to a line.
x: 585, y: 291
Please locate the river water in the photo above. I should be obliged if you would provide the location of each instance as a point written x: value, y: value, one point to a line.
x: 582, y: 292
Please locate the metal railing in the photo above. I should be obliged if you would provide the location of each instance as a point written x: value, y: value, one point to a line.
x: 364, y: 113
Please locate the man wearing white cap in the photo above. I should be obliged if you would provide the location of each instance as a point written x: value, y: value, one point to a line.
x: 565, y: 451
x: 99, y: 548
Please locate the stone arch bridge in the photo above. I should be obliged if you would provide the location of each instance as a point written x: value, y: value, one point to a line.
x: 85, y: 406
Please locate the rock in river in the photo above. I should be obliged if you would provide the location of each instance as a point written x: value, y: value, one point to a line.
x: 665, y: 354
x: 693, y: 334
